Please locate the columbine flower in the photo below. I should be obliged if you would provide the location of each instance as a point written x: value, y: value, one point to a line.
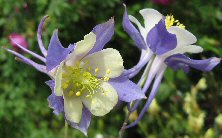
x: 85, y: 79
x: 19, y: 39
x: 163, y: 42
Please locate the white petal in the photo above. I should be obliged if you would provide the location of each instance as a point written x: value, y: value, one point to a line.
x: 73, y: 108
x: 184, y: 49
x: 106, y: 59
x: 151, y: 18
x: 82, y: 48
x: 101, y: 103
x: 189, y: 49
x: 184, y: 37
x: 141, y: 28
x: 58, y: 80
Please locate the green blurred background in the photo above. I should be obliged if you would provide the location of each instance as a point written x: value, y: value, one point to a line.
x: 187, y: 105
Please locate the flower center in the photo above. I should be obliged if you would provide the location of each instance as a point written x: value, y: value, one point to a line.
x: 170, y: 21
x: 78, y: 80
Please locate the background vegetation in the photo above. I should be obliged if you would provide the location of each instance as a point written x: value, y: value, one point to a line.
x: 187, y: 105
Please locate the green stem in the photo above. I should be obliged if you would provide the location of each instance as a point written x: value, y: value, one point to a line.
x: 66, y: 129
x: 122, y: 130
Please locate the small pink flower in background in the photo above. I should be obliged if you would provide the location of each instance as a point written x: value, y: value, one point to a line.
x: 19, y: 39
x: 162, y: 2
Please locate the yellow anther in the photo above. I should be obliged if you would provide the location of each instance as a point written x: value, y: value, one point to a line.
x: 71, y: 93
x: 108, y: 71
x: 87, y: 75
x: 93, y: 101
x: 77, y: 84
x: 170, y: 21
x: 96, y: 70
x: 79, y: 80
x: 65, y: 85
x: 78, y: 93
x: 86, y: 62
x: 105, y: 93
x: 106, y: 78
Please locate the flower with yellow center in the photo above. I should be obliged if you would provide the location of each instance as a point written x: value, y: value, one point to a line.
x: 163, y: 42
x: 83, y: 79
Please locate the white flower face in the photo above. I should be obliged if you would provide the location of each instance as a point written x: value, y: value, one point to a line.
x: 83, y: 79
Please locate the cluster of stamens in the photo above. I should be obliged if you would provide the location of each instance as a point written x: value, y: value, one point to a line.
x: 78, y: 80
x: 170, y: 21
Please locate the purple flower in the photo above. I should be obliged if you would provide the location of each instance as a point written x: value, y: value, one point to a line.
x: 166, y: 40
x: 86, y: 79
x: 19, y: 39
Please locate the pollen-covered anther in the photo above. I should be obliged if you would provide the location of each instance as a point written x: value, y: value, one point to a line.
x: 81, y: 82
x: 96, y: 70
x: 71, y: 93
x: 108, y: 71
x: 93, y: 101
x: 106, y: 78
x: 78, y: 93
x: 65, y: 85
x: 170, y: 21
x: 105, y: 93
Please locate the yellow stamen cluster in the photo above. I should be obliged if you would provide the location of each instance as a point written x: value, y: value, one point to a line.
x: 170, y: 21
x: 77, y: 81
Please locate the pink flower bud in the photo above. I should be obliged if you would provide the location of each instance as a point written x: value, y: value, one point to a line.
x: 19, y: 39
x: 162, y: 2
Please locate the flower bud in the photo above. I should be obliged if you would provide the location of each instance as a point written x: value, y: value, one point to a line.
x: 154, y: 108
x: 209, y: 133
x: 196, y: 122
x: 162, y: 2
x: 218, y: 121
x: 18, y: 39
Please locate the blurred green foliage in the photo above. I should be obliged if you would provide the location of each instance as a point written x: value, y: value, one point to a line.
x: 184, y: 108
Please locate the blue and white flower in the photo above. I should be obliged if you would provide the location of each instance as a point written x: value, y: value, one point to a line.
x: 163, y: 41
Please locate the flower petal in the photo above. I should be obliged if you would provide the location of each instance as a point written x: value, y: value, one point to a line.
x: 151, y: 18
x: 55, y: 102
x: 133, y: 32
x: 140, y: 27
x: 101, y: 103
x: 178, y: 61
x: 82, y: 49
x: 83, y: 125
x: 183, y: 36
x: 107, y: 59
x: 56, y: 52
x: 104, y: 33
x: 184, y: 49
x: 160, y: 40
x: 73, y: 108
x: 58, y: 81
x: 126, y: 89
